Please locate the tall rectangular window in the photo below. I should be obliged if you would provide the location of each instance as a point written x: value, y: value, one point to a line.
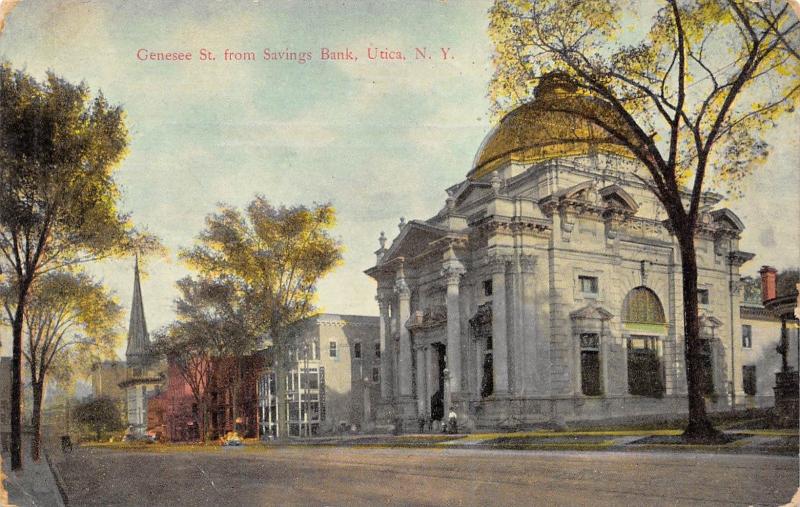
x: 747, y: 336
x: 749, y: 379
x: 376, y: 374
x: 591, y: 384
x: 702, y: 296
x: 644, y: 367
x: 377, y: 350
x: 588, y: 284
x: 487, y: 287
x: 357, y: 350
x: 332, y: 349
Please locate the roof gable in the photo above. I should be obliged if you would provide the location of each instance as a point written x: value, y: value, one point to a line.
x: 413, y: 239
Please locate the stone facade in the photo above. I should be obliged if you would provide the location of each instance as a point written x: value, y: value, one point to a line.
x: 548, y: 288
x: 335, y: 383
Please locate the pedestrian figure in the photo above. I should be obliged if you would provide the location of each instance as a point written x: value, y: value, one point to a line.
x: 452, y: 421
x: 66, y: 444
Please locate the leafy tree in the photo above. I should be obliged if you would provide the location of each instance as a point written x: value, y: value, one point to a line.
x: 58, y: 198
x: 260, y: 268
x: 70, y: 319
x: 189, y: 346
x: 99, y: 414
x: 690, y: 97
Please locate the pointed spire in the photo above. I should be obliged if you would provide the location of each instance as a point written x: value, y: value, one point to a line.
x: 138, y: 338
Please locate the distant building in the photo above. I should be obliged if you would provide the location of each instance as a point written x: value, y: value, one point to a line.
x: 182, y: 417
x: 242, y: 418
x: 335, y: 382
x: 763, y: 325
x: 106, y: 378
x: 145, y: 370
x: 175, y: 412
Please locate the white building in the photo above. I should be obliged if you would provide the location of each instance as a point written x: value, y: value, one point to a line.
x: 548, y: 287
x: 145, y: 371
x: 334, y: 384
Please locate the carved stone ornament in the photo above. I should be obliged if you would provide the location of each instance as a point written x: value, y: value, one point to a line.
x: 481, y: 322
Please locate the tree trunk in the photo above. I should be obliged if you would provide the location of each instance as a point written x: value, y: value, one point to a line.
x: 699, y: 427
x: 36, y: 419
x: 203, y: 421
x: 16, y: 378
x: 280, y: 393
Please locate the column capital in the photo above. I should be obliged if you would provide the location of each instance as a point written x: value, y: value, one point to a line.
x: 497, y: 264
x: 453, y: 274
x: 527, y: 263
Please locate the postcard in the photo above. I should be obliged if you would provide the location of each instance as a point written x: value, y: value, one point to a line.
x: 434, y: 252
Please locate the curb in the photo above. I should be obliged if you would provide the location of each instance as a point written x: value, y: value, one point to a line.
x: 57, y: 477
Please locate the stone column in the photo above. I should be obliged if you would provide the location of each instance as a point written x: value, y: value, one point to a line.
x: 386, y: 381
x: 453, y: 275
x: 499, y: 327
x: 421, y: 382
x: 404, y: 312
x: 431, y: 379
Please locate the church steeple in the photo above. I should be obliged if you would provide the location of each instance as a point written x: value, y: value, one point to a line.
x: 138, y: 338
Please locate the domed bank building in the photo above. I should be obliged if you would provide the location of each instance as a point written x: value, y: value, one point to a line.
x: 548, y: 288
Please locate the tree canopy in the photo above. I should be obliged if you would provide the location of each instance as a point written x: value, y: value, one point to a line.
x: 98, y: 414
x: 59, y: 148
x: 257, y: 272
x: 689, y: 95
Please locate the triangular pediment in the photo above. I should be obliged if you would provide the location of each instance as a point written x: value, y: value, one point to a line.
x: 469, y: 189
x: 413, y: 240
x: 591, y: 312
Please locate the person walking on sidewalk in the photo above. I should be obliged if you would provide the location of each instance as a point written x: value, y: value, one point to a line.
x: 452, y: 421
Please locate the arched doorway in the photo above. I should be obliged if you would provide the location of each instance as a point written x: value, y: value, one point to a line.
x: 645, y: 329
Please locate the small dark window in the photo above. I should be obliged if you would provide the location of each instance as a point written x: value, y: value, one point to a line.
x: 702, y: 296
x: 749, y: 379
x: 357, y: 350
x: 487, y: 382
x: 747, y: 336
x: 487, y: 287
x: 588, y: 284
x: 333, y: 349
x: 377, y: 350
x: 376, y: 374
x: 591, y: 384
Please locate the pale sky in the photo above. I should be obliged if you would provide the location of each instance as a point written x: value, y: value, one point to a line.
x: 378, y: 139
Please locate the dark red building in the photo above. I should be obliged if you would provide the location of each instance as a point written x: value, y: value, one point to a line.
x: 182, y: 416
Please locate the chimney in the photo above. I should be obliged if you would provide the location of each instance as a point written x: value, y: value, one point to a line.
x: 768, y: 282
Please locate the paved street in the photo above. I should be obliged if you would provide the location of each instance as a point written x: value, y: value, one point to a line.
x: 382, y: 476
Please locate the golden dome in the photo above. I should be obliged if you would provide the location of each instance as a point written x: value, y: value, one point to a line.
x: 535, y: 131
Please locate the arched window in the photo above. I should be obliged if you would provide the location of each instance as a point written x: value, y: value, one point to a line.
x: 643, y: 319
x: 643, y: 307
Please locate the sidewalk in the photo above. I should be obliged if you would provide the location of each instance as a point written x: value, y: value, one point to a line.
x: 783, y: 442
x: 34, y: 485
